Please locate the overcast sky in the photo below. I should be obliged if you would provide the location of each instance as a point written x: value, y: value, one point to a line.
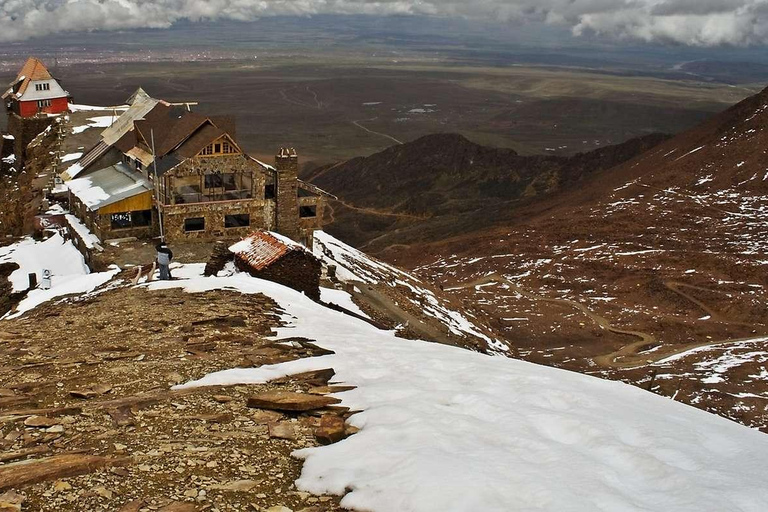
x: 687, y: 22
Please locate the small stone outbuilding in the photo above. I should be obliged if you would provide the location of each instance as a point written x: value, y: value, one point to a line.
x: 279, y: 259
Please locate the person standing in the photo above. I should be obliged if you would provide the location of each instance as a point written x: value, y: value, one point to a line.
x: 164, y: 258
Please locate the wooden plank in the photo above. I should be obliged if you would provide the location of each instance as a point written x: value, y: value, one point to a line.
x: 19, y: 474
x: 20, y: 454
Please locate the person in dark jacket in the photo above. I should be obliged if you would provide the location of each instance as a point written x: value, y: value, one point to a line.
x: 164, y: 258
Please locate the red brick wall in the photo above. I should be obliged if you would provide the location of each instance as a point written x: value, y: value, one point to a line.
x: 29, y: 108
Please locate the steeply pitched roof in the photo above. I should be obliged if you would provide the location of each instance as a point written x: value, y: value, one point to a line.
x: 32, y: 70
x: 202, y: 137
x: 124, y: 124
x: 261, y: 249
x: 179, y: 134
x: 171, y: 127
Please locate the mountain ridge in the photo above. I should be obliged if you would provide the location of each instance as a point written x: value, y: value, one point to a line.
x: 440, y: 177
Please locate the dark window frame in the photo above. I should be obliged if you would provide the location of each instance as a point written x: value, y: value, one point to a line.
x: 129, y: 220
x: 308, y: 211
x: 187, y: 223
x: 237, y: 220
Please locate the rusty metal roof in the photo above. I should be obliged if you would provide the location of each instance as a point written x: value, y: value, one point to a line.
x: 261, y: 249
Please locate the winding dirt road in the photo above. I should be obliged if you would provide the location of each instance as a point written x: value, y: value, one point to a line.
x: 629, y: 356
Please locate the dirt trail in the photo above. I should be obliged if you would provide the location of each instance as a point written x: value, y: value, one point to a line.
x: 628, y: 356
x: 357, y: 123
x: 380, y: 213
x: 714, y: 314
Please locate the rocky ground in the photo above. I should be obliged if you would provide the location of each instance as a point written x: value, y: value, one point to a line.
x: 88, y: 420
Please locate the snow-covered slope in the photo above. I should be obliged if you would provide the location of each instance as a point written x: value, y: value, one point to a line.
x: 356, y: 267
x: 69, y: 273
x: 444, y: 429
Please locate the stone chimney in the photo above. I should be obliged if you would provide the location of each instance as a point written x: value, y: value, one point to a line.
x: 286, y: 193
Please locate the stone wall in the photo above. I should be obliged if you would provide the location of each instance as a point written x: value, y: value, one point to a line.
x: 261, y: 213
x: 260, y: 210
x: 25, y: 130
x: 297, y: 269
x: 6, y: 150
x: 308, y: 225
x: 199, y: 166
x: 105, y: 232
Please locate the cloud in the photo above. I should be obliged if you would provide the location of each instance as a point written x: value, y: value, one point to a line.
x: 687, y: 22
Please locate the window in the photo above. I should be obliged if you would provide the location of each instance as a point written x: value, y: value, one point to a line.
x: 213, y: 181
x: 127, y: 220
x: 228, y: 181
x: 224, y: 147
x: 43, y: 87
x: 308, y: 211
x: 269, y: 192
x: 43, y: 103
x: 242, y: 220
x: 194, y: 224
x: 121, y: 220
x: 223, y: 180
x: 141, y: 218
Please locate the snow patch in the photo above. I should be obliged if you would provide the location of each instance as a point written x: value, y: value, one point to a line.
x: 447, y: 429
x: 55, y: 254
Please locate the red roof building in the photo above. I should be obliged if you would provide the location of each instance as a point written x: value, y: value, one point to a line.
x: 35, y: 91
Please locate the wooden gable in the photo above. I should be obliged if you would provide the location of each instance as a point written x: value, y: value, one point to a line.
x: 224, y: 145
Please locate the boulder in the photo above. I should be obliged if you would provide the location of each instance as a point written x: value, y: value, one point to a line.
x: 331, y: 430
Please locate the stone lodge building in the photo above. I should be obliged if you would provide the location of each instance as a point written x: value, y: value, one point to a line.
x: 190, y: 177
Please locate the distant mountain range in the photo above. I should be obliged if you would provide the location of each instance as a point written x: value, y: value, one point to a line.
x: 445, y: 185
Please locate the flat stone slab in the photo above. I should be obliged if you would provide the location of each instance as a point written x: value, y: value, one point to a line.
x: 288, y: 401
x: 282, y: 430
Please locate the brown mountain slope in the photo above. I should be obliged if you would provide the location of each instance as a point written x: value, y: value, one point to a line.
x: 444, y: 185
x: 624, y: 275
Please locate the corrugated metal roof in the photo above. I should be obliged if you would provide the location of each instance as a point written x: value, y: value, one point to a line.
x: 93, y: 154
x: 141, y: 106
x: 261, y: 249
x: 109, y: 185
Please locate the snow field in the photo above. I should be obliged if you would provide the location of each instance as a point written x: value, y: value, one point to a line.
x: 70, y: 274
x: 443, y: 429
x: 54, y: 254
x: 341, y: 299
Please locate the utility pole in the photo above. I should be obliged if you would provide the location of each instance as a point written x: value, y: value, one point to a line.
x: 157, y: 185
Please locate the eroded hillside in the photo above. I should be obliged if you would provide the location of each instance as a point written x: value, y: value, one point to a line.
x: 652, y: 272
